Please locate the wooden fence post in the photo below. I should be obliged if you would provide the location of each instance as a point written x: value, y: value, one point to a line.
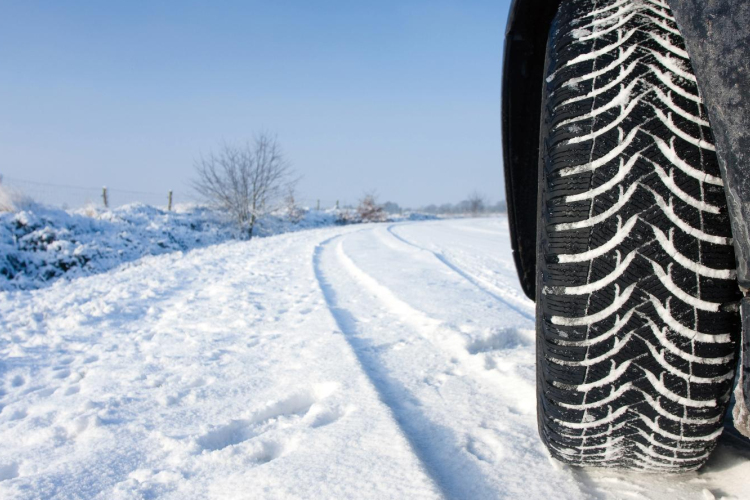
x: 169, y: 205
x: 104, y: 197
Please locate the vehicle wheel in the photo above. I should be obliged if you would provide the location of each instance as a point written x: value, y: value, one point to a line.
x: 636, y: 293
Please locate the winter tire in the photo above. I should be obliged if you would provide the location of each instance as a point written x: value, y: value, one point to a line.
x: 636, y: 292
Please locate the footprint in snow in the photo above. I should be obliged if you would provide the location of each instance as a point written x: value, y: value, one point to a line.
x: 8, y: 471
x: 484, y: 446
x: 265, y: 451
x: 299, y: 409
x: 17, y: 414
x: 326, y: 416
x: 44, y: 393
x: 235, y: 432
x: 239, y: 431
x: 490, y: 363
x: 17, y: 381
x: 198, y: 382
x: 480, y: 450
x: 73, y: 389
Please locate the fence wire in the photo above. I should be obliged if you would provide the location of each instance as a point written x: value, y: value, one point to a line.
x: 74, y: 197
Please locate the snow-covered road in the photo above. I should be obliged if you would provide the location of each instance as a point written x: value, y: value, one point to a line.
x: 378, y: 361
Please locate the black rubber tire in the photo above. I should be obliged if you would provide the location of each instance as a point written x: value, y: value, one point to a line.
x: 637, y: 319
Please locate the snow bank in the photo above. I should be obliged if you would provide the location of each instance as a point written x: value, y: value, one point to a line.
x: 39, y: 244
x: 412, y: 216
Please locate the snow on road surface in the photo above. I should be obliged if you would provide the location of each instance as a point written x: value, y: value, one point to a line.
x: 378, y: 361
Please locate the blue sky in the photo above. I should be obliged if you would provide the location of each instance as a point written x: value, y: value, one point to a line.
x: 401, y: 97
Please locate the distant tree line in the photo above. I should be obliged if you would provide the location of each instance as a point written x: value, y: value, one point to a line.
x: 474, y: 204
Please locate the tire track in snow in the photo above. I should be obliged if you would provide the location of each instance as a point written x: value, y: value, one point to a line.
x: 432, y: 443
x: 468, y: 277
x: 449, y: 432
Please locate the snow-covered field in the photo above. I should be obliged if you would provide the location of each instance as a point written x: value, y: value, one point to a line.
x: 368, y: 361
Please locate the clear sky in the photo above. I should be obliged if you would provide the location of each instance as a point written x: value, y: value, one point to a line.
x: 397, y: 96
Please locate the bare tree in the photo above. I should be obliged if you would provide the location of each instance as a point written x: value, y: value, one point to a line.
x: 477, y: 203
x: 245, y: 181
x: 369, y: 210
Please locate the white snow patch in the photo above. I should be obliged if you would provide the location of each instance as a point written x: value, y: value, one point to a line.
x: 272, y: 368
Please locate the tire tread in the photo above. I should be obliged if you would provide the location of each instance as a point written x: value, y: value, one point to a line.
x: 636, y: 333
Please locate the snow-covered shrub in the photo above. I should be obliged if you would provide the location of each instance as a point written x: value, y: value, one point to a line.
x: 294, y: 212
x: 13, y: 200
x: 39, y: 244
x: 370, y: 211
x: 346, y: 216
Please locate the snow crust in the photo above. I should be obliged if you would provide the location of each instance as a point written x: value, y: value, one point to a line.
x: 374, y: 361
